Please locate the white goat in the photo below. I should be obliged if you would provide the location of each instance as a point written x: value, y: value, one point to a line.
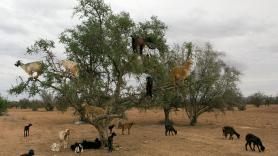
x: 31, y: 67
x: 70, y: 67
x: 64, y: 137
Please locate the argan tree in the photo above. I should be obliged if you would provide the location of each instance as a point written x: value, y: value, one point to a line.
x: 100, y: 45
x: 210, y: 85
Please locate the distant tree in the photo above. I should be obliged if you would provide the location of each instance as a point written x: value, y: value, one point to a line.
x: 257, y: 99
x: 47, y: 100
x: 3, y: 105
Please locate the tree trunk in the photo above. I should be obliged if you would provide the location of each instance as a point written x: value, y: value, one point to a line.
x: 102, y: 128
x: 193, y: 120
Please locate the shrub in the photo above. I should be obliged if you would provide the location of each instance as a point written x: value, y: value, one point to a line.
x: 3, y: 106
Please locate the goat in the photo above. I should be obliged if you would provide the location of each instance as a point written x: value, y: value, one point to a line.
x: 70, y: 67
x: 149, y: 86
x: 230, y: 130
x: 110, y: 142
x: 92, y: 112
x: 78, y: 148
x: 170, y: 129
x: 55, y: 147
x: 139, y: 42
x: 111, y: 128
x: 30, y: 153
x: 64, y: 137
x: 91, y: 145
x: 126, y: 125
x: 26, y: 130
x: 31, y: 67
x: 181, y: 72
x: 251, y: 138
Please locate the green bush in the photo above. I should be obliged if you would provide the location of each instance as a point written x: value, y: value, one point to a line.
x: 3, y: 106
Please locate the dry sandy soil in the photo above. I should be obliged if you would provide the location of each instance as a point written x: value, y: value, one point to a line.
x: 147, y: 136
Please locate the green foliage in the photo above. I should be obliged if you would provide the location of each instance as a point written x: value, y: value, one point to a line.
x: 3, y: 105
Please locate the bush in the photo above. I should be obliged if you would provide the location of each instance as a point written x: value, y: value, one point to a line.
x: 241, y: 107
x: 256, y: 99
x: 3, y: 106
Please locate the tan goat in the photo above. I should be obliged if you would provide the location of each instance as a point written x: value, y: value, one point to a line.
x: 70, y: 67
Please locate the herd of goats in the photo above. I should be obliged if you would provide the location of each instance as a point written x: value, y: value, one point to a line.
x: 64, y: 136
x: 138, y: 43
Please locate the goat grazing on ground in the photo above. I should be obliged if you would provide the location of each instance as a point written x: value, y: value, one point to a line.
x: 139, y: 42
x: 32, y: 67
x: 30, y: 153
x: 181, y: 73
x: 170, y: 129
x: 149, y: 86
x: 230, y: 130
x: 111, y: 128
x: 55, y: 147
x: 91, y: 145
x: 92, y: 112
x: 251, y: 138
x: 110, y: 142
x: 64, y: 137
x: 70, y: 67
x: 126, y: 125
x: 26, y: 130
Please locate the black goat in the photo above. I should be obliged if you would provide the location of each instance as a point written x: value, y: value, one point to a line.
x: 91, y: 145
x: 170, y: 129
x: 30, y: 153
x: 230, y: 130
x: 149, y: 86
x: 251, y: 138
x: 26, y: 130
x: 110, y: 142
x: 111, y: 128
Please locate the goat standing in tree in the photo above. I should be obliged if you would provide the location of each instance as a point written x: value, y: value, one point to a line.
x: 181, y: 73
x: 139, y: 42
x: 31, y: 68
x: 70, y: 67
x: 26, y: 130
x: 149, y: 86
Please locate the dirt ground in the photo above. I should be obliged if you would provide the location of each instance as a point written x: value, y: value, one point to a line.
x: 147, y: 136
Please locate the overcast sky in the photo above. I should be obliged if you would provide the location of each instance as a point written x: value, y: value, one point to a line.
x: 246, y: 30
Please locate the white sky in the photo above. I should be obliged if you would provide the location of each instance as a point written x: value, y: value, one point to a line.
x: 246, y: 30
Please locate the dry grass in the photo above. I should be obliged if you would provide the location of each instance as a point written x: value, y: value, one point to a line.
x: 147, y: 135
